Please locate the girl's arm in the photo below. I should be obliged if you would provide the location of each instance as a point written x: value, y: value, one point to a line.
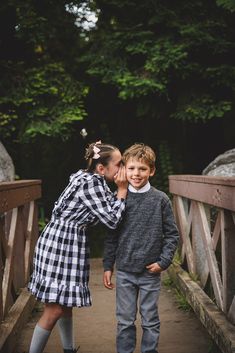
x: 96, y: 196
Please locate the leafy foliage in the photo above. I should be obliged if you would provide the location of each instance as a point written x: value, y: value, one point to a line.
x: 175, y: 51
x: 202, y: 108
x: 39, y: 94
x: 227, y: 4
x: 41, y: 100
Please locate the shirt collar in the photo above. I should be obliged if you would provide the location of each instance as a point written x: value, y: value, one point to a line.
x: 145, y: 188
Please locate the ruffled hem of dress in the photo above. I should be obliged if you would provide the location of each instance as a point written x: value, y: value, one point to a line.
x: 48, y: 291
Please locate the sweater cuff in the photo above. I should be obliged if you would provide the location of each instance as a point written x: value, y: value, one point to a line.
x: 164, y: 264
x: 107, y: 267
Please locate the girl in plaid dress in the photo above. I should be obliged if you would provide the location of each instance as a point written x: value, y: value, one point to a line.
x: 61, y: 261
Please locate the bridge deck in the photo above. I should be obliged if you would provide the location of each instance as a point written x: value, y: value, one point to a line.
x: 181, y: 331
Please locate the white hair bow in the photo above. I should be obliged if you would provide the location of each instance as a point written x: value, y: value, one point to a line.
x: 96, y: 151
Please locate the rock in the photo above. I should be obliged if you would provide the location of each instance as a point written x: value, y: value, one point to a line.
x: 7, y: 170
x: 223, y: 165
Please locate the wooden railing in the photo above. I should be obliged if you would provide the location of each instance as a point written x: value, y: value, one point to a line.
x: 18, y: 234
x: 204, y: 207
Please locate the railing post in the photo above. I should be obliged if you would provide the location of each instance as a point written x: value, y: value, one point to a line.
x: 199, y: 250
x: 228, y: 259
x: 18, y: 234
x: 1, y: 265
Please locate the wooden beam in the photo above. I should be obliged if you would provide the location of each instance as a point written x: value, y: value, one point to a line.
x: 210, y: 255
x: 219, y: 192
x: 9, y: 268
x: 17, y: 184
x: 205, y: 179
x: 13, y: 195
x: 2, y: 238
x: 228, y: 259
x: 199, y: 251
x: 231, y: 313
x: 213, y: 319
x: 29, y: 239
x: 217, y: 230
x: 18, y: 315
x: 184, y: 227
x: 19, y: 246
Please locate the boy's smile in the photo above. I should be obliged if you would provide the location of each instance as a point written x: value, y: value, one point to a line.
x: 138, y: 172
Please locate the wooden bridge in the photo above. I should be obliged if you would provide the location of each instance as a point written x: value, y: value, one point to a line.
x: 204, y: 268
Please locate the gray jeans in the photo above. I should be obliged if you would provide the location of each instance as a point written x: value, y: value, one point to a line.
x: 130, y: 287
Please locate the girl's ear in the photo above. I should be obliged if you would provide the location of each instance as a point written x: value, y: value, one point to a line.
x: 100, y: 169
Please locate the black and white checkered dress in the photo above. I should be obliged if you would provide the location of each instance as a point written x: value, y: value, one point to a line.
x: 61, y: 259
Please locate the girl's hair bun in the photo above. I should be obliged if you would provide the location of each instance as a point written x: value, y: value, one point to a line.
x: 98, y: 152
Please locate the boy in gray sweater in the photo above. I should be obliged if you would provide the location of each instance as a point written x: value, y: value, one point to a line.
x: 142, y: 247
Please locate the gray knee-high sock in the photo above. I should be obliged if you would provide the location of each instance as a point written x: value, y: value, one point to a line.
x: 39, y: 339
x: 65, y: 325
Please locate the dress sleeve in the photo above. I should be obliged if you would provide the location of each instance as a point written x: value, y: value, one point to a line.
x: 102, y: 203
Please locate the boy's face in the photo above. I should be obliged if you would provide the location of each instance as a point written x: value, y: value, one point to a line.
x: 138, y: 172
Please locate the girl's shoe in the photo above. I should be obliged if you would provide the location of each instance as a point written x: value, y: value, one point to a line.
x: 71, y: 350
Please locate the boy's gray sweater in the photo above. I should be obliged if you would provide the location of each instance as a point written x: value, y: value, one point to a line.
x: 147, y: 234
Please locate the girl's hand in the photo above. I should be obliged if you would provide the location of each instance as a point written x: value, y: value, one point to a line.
x: 120, y: 178
x: 154, y: 268
x: 121, y: 182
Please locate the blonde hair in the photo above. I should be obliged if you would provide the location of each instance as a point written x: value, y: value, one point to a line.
x: 141, y: 152
x: 103, y: 157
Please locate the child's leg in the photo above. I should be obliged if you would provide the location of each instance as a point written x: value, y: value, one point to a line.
x: 126, y: 307
x: 65, y: 325
x: 149, y: 294
x: 52, y: 312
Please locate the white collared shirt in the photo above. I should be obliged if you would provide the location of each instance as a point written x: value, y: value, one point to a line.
x: 144, y: 188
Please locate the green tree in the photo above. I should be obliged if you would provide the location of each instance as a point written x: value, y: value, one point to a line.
x: 174, y: 55
x: 162, y: 72
x: 227, y: 4
x: 40, y: 93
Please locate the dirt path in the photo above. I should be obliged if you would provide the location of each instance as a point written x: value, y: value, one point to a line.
x: 95, y: 327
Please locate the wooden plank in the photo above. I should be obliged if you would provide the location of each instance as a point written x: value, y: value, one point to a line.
x: 19, y: 246
x: 228, y: 259
x: 222, y: 196
x: 9, y: 185
x: 12, y: 198
x: 8, y: 270
x: 205, y: 179
x: 199, y: 251
x: 29, y: 240
x: 217, y: 230
x: 213, y: 319
x: 184, y: 227
x: 14, y: 322
x: 231, y: 313
x: 211, y: 259
x: 214, y: 240
x: 2, y: 236
x: 233, y: 215
x: 181, y: 242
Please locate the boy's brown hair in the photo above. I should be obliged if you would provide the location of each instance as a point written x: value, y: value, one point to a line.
x: 141, y: 152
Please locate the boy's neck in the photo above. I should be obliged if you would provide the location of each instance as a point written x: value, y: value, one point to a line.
x: 144, y: 188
